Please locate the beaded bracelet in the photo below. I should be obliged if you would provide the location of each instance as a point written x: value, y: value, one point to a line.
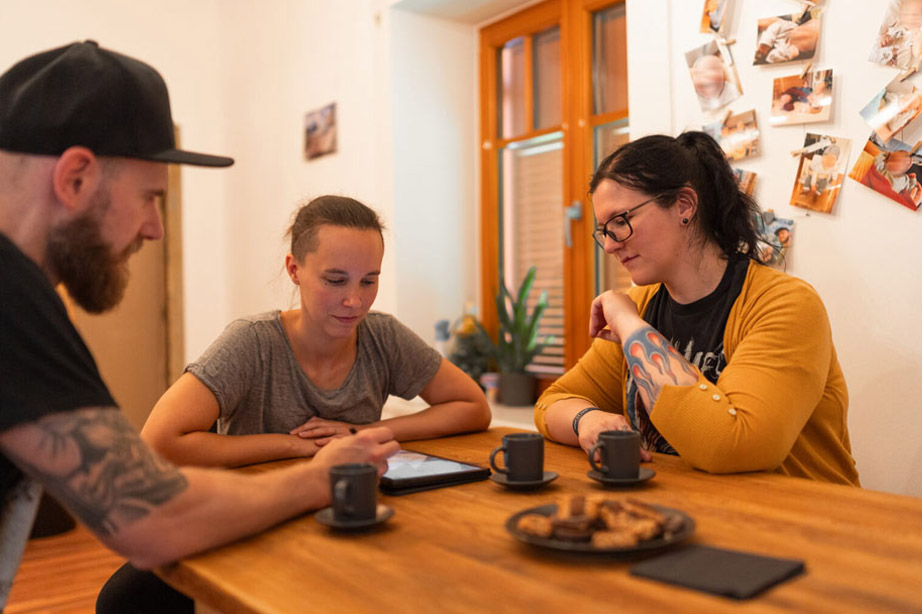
x: 579, y: 416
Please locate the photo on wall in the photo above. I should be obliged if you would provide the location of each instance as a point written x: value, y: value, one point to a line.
x: 802, y: 99
x: 891, y: 169
x: 820, y: 172
x: 787, y: 38
x: 775, y: 236
x: 893, y: 108
x: 738, y: 135
x: 713, y: 16
x: 899, y: 39
x: 320, y: 132
x: 746, y: 180
x: 713, y: 76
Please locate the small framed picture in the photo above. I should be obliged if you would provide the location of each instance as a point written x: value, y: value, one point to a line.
x: 713, y: 76
x: 899, y: 39
x: 320, y: 132
x: 820, y: 172
x: 802, y: 100
x: 738, y: 135
x: 776, y: 236
x: 892, y: 109
x: 787, y: 38
x: 746, y: 180
x: 713, y: 16
x: 891, y: 169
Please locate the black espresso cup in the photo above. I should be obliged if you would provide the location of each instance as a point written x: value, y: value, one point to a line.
x: 619, y: 452
x: 354, y: 491
x: 523, y: 455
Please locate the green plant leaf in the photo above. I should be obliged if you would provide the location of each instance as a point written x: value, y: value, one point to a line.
x: 517, y: 341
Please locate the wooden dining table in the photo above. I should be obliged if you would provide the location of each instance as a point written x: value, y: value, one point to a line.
x: 447, y: 550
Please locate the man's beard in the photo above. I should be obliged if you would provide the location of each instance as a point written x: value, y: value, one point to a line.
x: 81, y: 259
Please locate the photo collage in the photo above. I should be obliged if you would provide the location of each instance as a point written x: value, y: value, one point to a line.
x: 890, y: 162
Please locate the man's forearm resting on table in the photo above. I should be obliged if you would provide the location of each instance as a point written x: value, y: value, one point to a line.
x: 139, y: 504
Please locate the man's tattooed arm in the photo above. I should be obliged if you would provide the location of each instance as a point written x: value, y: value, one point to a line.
x: 654, y: 363
x: 95, y: 464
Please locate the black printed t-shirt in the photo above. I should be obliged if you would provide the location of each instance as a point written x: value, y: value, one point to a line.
x: 696, y: 330
x: 45, y: 367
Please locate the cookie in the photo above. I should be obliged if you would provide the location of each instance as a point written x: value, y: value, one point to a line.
x: 614, y: 539
x: 641, y: 509
x: 569, y: 506
x: 536, y: 524
x: 594, y: 503
x: 673, y: 524
x: 644, y: 528
x: 574, y: 533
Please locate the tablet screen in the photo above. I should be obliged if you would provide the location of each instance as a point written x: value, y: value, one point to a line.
x: 408, y: 468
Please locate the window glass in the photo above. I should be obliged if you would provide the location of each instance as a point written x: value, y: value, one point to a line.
x: 512, y: 88
x: 547, y: 79
x: 609, y: 60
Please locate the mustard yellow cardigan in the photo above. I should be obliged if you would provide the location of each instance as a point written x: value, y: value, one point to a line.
x: 780, y: 403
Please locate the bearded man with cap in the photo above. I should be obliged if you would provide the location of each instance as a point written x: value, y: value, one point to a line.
x: 85, y: 138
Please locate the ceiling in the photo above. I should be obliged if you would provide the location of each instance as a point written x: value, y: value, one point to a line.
x: 465, y: 11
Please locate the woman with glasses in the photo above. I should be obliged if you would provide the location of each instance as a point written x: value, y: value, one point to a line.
x: 711, y: 355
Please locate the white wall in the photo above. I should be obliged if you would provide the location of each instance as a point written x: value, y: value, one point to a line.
x: 861, y: 257
x: 434, y: 101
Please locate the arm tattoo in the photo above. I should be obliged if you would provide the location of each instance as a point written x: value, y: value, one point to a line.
x: 654, y: 363
x: 95, y: 463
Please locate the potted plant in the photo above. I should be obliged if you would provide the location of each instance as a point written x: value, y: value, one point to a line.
x: 517, y: 343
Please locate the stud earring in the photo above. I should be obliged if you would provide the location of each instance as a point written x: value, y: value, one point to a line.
x: 685, y: 220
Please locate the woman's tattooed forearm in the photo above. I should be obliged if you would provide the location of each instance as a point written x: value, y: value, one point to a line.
x: 654, y: 363
x: 96, y: 464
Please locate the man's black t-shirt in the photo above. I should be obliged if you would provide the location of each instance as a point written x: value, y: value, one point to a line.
x: 45, y: 367
x: 696, y: 330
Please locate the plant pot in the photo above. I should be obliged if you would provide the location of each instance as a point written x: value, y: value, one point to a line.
x: 517, y: 388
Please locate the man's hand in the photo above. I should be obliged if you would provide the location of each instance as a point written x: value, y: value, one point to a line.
x: 374, y: 445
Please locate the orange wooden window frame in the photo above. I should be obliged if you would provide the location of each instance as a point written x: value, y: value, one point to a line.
x: 575, y: 20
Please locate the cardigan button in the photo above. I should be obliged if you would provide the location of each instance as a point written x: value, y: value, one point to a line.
x: 703, y: 386
x: 716, y: 397
x: 732, y: 411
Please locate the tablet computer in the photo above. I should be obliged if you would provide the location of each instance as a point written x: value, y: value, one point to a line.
x: 409, y: 471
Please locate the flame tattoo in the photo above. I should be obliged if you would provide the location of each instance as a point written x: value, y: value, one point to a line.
x: 654, y: 363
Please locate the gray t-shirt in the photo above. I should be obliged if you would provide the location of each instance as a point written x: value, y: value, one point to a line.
x: 260, y: 387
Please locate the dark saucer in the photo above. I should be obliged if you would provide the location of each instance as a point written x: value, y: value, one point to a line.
x: 325, y: 517
x: 503, y: 480
x: 645, y: 474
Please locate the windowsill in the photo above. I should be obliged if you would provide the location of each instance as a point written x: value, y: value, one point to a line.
x: 503, y: 415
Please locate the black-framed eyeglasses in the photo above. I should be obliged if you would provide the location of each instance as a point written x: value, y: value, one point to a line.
x: 618, y: 227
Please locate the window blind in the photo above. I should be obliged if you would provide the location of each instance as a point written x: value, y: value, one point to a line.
x: 533, y: 226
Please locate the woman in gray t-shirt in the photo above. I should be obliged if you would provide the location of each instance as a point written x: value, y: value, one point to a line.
x: 286, y: 382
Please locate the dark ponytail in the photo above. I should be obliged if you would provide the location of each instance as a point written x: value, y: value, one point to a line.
x: 663, y: 165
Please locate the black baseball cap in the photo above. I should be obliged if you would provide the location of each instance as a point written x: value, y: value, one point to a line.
x: 82, y: 94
